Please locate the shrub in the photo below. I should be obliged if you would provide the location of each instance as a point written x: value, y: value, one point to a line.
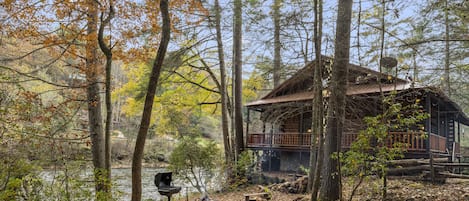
x: 195, y: 160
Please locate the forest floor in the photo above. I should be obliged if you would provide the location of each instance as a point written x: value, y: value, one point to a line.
x: 398, y: 190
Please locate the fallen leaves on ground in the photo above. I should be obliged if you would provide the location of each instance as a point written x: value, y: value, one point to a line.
x: 370, y: 190
x: 405, y: 190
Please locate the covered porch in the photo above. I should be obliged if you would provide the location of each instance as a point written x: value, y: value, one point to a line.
x: 283, y: 123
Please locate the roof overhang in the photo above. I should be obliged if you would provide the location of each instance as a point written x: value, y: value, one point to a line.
x: 308, y: 95
x: 361, y: 90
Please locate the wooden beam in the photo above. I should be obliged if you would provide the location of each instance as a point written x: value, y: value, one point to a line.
x: 428, y: 107
x: 451, y: 175
x: 453, y: 164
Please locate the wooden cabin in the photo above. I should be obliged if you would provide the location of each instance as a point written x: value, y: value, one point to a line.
x: 279, y: 124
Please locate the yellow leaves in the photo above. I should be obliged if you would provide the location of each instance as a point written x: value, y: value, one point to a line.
x: 132, y: 107
x: 178, y: 99
x: 252, y: 85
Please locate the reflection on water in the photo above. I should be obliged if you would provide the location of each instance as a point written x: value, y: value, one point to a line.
x: 122, y: 182
x: 122, y: 179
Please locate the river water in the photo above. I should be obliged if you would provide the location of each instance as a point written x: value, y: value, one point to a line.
x: 122, y: 183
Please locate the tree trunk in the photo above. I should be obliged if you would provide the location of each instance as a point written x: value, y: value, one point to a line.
x: 318, y: 107
x: 277, y: 57
x: 237, y: 64
x: 223, y: 91
x: 107, y: 131
x: 381, y: 55
x: 447, y: 74
x: 317, y: 168
x: 93, y: 97
x: 330, y: 186
x: 147, y: 108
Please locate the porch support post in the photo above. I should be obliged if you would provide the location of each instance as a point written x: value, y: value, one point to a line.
x: 448, y: 144
x: 301, y: 125
x: 263, y: 127
x: 459, y: 129
x: 451, y: 133
x: 446, y: 132
x: 270, y: 148
x: 248, y: 121
x: 301, y: 131
x: 459, y: 138
x: 439, y: 124
x: 428, y: 107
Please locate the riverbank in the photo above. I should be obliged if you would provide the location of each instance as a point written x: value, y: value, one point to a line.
x: 115, y: 165
x: 158, y: 165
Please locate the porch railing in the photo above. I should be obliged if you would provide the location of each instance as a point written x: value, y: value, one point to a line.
x: 414, y: 141
x: 437, y: 143
x: 347, y: 139
x: 292, y: 140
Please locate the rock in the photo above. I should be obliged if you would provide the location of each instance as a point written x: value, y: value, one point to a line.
x: 297, y: 187
x: 160, y: 158
x: 262, y: 179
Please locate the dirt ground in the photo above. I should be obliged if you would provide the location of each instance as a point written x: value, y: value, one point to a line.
x: 405, y: 190
x: 398, y: 190
x: 238, y: 195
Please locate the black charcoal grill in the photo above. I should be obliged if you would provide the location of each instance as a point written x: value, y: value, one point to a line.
x: 163, y: 183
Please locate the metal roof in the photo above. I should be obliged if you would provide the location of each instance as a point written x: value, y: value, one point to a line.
x: 307, y: 73
x: 351, y: 90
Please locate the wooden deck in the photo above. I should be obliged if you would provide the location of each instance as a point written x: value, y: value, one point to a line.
x: 415, y: 141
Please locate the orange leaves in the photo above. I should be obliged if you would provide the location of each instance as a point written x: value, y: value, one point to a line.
x: 129, y: 34
x: 29, y: 96
x: 181, y: 12
x: 137, y: 54
x: 62, y: 13
x: 194, y: 8
x: 53, y: 39
x: 7, y: 3
x: 60, y: 26
x: 91, y: 37
x: 68, y: 9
